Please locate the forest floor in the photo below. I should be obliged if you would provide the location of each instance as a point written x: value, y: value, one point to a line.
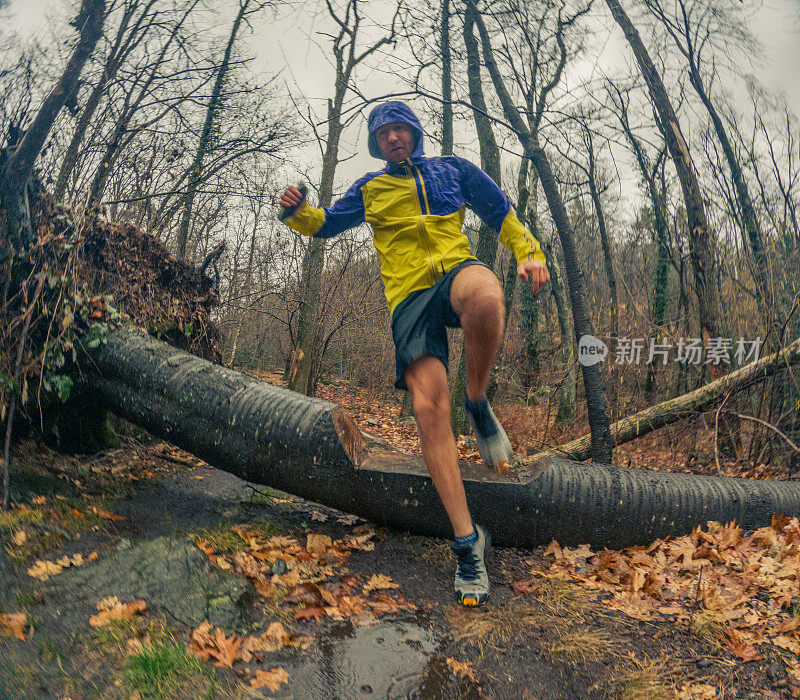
x: 143, y: 572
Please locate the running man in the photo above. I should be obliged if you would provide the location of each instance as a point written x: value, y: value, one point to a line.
x: 415, y: 206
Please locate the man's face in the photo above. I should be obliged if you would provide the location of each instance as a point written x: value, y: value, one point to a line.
x: 396, y: 141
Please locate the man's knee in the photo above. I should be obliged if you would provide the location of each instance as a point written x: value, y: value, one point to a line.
x: 485, y: 306
x: 478, y: 295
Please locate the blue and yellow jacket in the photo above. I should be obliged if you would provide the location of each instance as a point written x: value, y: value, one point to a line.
x: 416, y: 211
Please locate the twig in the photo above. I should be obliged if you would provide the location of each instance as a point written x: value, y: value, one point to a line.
x: 716, y: 433
x: 12, y: 409
x: 766, y: 425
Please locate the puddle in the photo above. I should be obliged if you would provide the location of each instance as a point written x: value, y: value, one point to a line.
x: 382, y: 661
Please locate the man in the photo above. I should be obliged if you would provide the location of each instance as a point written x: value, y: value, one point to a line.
x: 415, y: 206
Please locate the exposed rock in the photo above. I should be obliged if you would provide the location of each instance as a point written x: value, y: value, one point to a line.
x: 173, y: 577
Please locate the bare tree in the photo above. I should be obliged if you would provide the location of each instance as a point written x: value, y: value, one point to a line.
x: 695, y: 28
x: 210, y: 124
x: 17, y: 170
x: 347, y: 57
x: 136, y: 20
x: 602, y: 441
x: 700, y: 234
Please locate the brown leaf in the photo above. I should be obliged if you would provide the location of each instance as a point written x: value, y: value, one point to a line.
x: 379, y: 582
x: 462, y: 669
x: 228, y: 649
x: 307, y: 593
x: 746, y: 652
x: 528, y: 587
x: 276, y: 637
x: 107, y: 515
x: 310, y: 613
x: 271, y: 679
x: 43, y: 569
x: 384, y: 604
x: 201, y: 640
x: 351, y: 605
x: 14, y: 623
x: 112, y: 609
x: 318, y: 544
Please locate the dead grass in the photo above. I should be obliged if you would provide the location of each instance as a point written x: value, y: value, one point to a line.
x: 582, y: 643
x: 646, y: 679
x: 707, y: 628
x: 559, y: 597
x: 494, y: 626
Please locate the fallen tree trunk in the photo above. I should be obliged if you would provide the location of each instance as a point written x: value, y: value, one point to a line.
x: 673, y: 410
x: 311, y: 448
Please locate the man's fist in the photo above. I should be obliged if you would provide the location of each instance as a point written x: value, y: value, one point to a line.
x: 291, y: 198
x: 534, y: 272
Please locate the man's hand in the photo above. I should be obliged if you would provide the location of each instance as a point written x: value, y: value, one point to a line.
x: 534, y: 272
x: 292, y: 197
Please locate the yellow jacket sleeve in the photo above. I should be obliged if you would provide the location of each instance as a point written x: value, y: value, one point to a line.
x: 306, y: 220
x: 520, y: 241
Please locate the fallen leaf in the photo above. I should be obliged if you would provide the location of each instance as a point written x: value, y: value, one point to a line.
x: 310, y: 613
x: 107, y: 515
x: 276, y: 637
x: 787, y: 643
x: 379, y: 582
x: 307, y: 593
x: 227, y: 650
x: 318, y: 544
x: 112, y: 609
x: 43, y: 569
x: 525, y: 587
x: 746, y: 652
x: 462, y: 669
x: 19, y: 538
x: 201, y: 639
x: 271, y: 679
x: 348, y: 519
x: 14, y: 623
x: 384, y: 604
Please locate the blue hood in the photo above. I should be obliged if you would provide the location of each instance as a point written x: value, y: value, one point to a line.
x: 388, y: 113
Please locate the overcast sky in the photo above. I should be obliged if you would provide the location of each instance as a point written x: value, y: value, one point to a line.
x: 292, y: 46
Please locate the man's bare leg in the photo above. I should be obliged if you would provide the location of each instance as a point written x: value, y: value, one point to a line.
x: 477, y: 298
x: 426, y: 378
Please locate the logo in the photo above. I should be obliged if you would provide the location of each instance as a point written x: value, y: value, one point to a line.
x: 591, y: 350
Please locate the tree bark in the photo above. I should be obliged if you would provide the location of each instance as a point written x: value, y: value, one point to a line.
x: 566, y: 402
x: 19, y: 167
x: 205, y: 143
x: 602, y: 441
x: 123, y: 44
x: 447, y: 81
x: 684, y: 406
x: 486, y: 249
x: 700, y: 238
x: 312, y: 448
x: 307, y: 355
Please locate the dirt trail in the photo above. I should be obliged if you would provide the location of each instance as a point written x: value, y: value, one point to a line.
x: 150, y: 506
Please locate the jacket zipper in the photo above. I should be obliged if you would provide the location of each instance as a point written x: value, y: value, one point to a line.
x: 416, y: 177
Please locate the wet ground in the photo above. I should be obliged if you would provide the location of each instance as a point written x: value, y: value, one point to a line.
x: 553, y: 641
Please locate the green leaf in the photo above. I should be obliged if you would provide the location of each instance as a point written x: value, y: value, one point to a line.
x: 62, y: 386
